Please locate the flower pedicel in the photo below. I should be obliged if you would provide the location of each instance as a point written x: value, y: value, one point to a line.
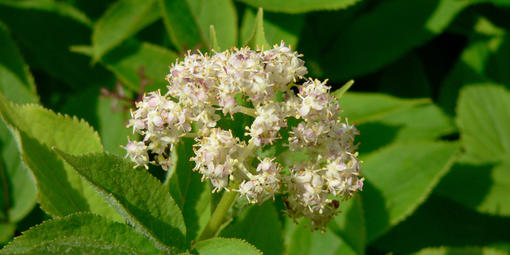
x: 203, y: 87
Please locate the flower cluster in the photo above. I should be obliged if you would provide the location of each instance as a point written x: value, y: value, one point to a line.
x: 203, y: 88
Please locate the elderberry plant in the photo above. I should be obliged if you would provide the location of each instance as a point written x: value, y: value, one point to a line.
x: 264, y: 85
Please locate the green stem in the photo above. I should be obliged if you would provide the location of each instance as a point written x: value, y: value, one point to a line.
x: 218, y: 215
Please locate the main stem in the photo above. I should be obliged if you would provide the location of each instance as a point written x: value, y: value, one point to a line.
x: 218, y: 215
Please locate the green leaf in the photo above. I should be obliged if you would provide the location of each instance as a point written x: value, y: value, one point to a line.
x: 366, y: 107
x: 399, y: 178
x: 112, y: 125
x: 221, y: 246
x: 136, y: 195
x: 6, y: 231
x: 81, y: 233
x: 299, y: 239
x: 442, y: 222
x: 460, y: 251
x: 341, y: 91
x: 258, y: 38
x: 260, y: 226
x: 18, y: 193
x: 349, y: 225
x: 36, y: 129
x: 191, y: 194
x: 181, y: 25
x: 213, y: 40
x: 484, y: 122
x: 481, y: 187
x: 383, y: 120
x: 122, y: 20
x: 219, y: 13
x: 16, y: 82
x: 299, y: 6
x: 61, y: 26
x: 131, y: 57
x: 358, y: 52
x: 277, y: 27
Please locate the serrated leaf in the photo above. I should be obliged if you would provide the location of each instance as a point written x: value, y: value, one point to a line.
x: 484, y: 122
x: 257, y: 38
x: 277, y: 27
x: 36, y: 127
x: 122, y: 20
x: 219, y: 13
x: 301, y: 240
x: 399, y: 178
x: 16, y: 82
x: 220, y: 246
x: 61, y: 25
x: 460, y: 251
x: 299, y: 6
x: 357, y: 52
x: 136, y: 195
x: 191, y: 194
x: 182, y: 27
x: 80, y: 233
x: 349, y: 225
x: 248, y: 226
x: 442, y: 222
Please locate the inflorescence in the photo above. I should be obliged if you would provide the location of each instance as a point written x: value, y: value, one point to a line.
x: 260, y: 84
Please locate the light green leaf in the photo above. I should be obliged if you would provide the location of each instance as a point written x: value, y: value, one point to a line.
x: 213, y: 40
x: 16, y: 82
x: 460, y: 251
x: 298, y: 6
x: 484, y: 122
x: 122, y: 20
x: 399, y: 178
x: 6, y: 231
x: 349, y: 225
x: 136, y: 195
x: 260, y: 226
x: 358, y: 52
x: 191, y: 194
x: 61, y: 25
x: 181, y: 25
x: 81, y: 233
x: 277, y: 27
x: 257, y: 38
x: 481, y: 187
x: 366, y: 107
x: 221, y: 246
x: 219, y: 13
x: 299, y: 239
x: 37, y: 129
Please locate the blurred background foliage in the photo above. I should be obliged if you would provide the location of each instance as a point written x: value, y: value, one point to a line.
x: 431, y: 100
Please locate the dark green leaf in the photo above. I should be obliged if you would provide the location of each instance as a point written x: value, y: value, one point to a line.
x: 441, y: 222
x: 181, y: 25
x: 191, y: 194
x: 80, y: 233
x: 349, y: 225
x: 399, y: 178
x: 481, y: 187
x: 136, y: 195
x: 221, y: 246
x: 459, y: 251
x: 357, y: 51
x: 122, y: 20
x: 260, y: 226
